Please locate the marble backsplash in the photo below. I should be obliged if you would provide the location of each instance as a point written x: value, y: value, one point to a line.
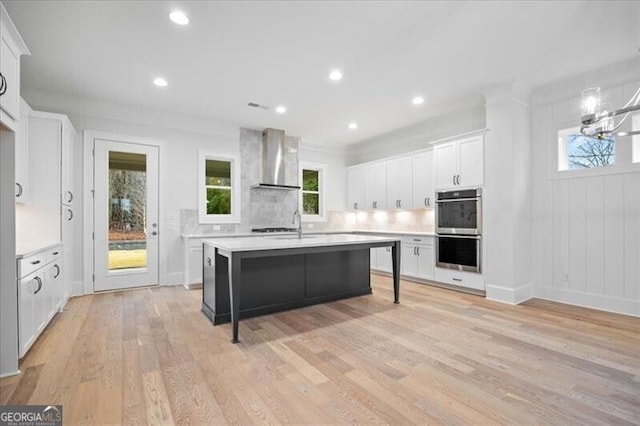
x: 404, y: 220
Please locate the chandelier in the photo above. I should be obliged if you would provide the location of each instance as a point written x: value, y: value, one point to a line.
x: 599, y: 121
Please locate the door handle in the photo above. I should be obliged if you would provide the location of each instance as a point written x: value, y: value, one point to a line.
x: 39, y: 285
x: 19, y: 193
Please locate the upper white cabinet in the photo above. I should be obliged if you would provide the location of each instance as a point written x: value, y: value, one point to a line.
x: 400, y: 183
x: 375, y: 185
x: 67, y: 136
x: 355, y: 187
x: 423, y: 189
x: 22, y: 154
x: 11, y: 48
x: 460, y: 163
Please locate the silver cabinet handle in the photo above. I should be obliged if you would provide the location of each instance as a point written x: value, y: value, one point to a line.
x: 35, y: 262
x: 457, y: 279
x: 55, y: 253
x: 57, y: 271
x: 458, y: 179
x: 39, y: 285
x: 454, y: 179
x: 20, y: 190
x: 400, y: 203
x: 209, y: 261
x: 70, y: 214
x: 355, y: 206
x: 70, y: 196
x: 418, y: 251
x: 426, y: 202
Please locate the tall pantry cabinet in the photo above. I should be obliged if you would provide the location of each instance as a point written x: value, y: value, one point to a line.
x: 48, y: 216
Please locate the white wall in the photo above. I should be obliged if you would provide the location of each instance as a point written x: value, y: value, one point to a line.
x: 461, y: 117
x: 184, y: 137
x: 586, y: 230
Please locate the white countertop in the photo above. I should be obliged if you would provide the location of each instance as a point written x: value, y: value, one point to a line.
x: 26, y: 250
x: 306, y: 232
x: 278, y: 242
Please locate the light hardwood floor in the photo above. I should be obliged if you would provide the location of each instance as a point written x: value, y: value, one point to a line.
x: 150, y: 357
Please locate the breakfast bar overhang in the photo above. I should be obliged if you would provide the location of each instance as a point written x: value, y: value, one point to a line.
x: 247, y: 277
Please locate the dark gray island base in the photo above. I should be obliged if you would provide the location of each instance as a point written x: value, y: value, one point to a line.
x: 241, y: 280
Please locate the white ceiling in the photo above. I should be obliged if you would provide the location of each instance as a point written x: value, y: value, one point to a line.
x: 275, y: 53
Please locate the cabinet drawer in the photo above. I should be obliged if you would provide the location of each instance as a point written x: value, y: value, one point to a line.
x: 54, y: 253
x: 458, y: 278
x: 28, y: 264
x: 416, y: 239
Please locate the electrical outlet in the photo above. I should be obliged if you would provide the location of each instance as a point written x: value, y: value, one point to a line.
x: 216, y: 227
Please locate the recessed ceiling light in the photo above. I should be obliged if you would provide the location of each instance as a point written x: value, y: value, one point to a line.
x: 179, y: 17
x: 335, y: 75
x: 353, y: 125
x: 160, y: 82
x: 417, y: 100
x: 281, y: 109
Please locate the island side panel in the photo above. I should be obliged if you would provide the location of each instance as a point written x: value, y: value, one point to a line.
x: 209, y: 291
x: 342, y: 273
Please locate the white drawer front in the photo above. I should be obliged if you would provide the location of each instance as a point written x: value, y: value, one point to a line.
x: 28, y: 264
x: 461, y: 279
x: 54, y: 253
x: 417, y: 239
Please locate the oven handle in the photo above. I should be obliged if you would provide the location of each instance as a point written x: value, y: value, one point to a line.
x: 469, y: 237
x: 458, y: 199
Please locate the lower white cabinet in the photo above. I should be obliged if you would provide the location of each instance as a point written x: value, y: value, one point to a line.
x: 40, y: 293
x: 418, y: 257
x: 459, y: 278
x: 381, y: 259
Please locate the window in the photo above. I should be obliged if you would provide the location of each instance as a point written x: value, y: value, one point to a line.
x: 577, y: 151
x: 312, y: 196
x: 219, y: 188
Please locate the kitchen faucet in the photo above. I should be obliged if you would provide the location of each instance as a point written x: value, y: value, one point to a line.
x: 297, y: 213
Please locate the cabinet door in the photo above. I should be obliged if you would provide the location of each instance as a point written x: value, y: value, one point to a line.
x: 471, y: 160
x: 405, y: 183
x: 68, y: 220
x: 66, y: 165
x: 376, y: 185
x: 9, y: 67
x: 423, y: 190
x: 195, y: 265
x: 373, y: 264
x: 355, y: 188
x: 384, y: 259
x: 446, y: 159
x: 22, y: 156
x: 56, y: 286
x: 409, y: 260
x: 425, y: 261
x: 26, y: 325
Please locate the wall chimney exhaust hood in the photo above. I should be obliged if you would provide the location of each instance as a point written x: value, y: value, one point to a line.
x: 273, y: 161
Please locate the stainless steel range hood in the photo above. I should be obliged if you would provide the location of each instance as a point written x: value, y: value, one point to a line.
x: 273, y: 161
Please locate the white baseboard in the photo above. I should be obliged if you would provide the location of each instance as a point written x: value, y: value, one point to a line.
x: 512, y: 296
x: 193, y: 286
x: 174, y: 278
x: 77, y: 288
x: 587, y: 300
x: 15, y: 373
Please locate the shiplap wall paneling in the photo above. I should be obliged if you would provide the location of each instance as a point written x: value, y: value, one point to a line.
x: 577, y: 234
x: 614, y: 235
x: 594, y: 224
x: 561, y: 234
x: 632, y: 238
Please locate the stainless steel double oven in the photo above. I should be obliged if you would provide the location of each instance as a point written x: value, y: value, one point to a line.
x: 459, y: 229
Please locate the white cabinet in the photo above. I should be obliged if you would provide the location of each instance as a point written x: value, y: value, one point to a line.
x: 355, y: 187
x: 381, y: 259
x: 460, y: 163
x: 418, y: 257
x: 39, y: 293
x: 11, y: 48
x: 400, y: 183
x: 423, y: 176
x: 51, y: 216
x: 460, y: 279
x: 375, y: 186
x: 22, y: 154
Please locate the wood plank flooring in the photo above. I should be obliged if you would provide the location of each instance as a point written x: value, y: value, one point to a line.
x: 440, y: 357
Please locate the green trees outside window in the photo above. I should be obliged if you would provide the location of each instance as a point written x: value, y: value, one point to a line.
x: 310, y: 192
x: 218, y: 186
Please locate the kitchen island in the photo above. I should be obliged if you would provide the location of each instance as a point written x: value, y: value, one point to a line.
x: 255, y: 276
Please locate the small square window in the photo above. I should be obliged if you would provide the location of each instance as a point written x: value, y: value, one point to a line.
x: 312, y: 194
x: 577, y: 151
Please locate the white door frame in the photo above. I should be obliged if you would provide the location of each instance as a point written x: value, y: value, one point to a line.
x: 88, y: 187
